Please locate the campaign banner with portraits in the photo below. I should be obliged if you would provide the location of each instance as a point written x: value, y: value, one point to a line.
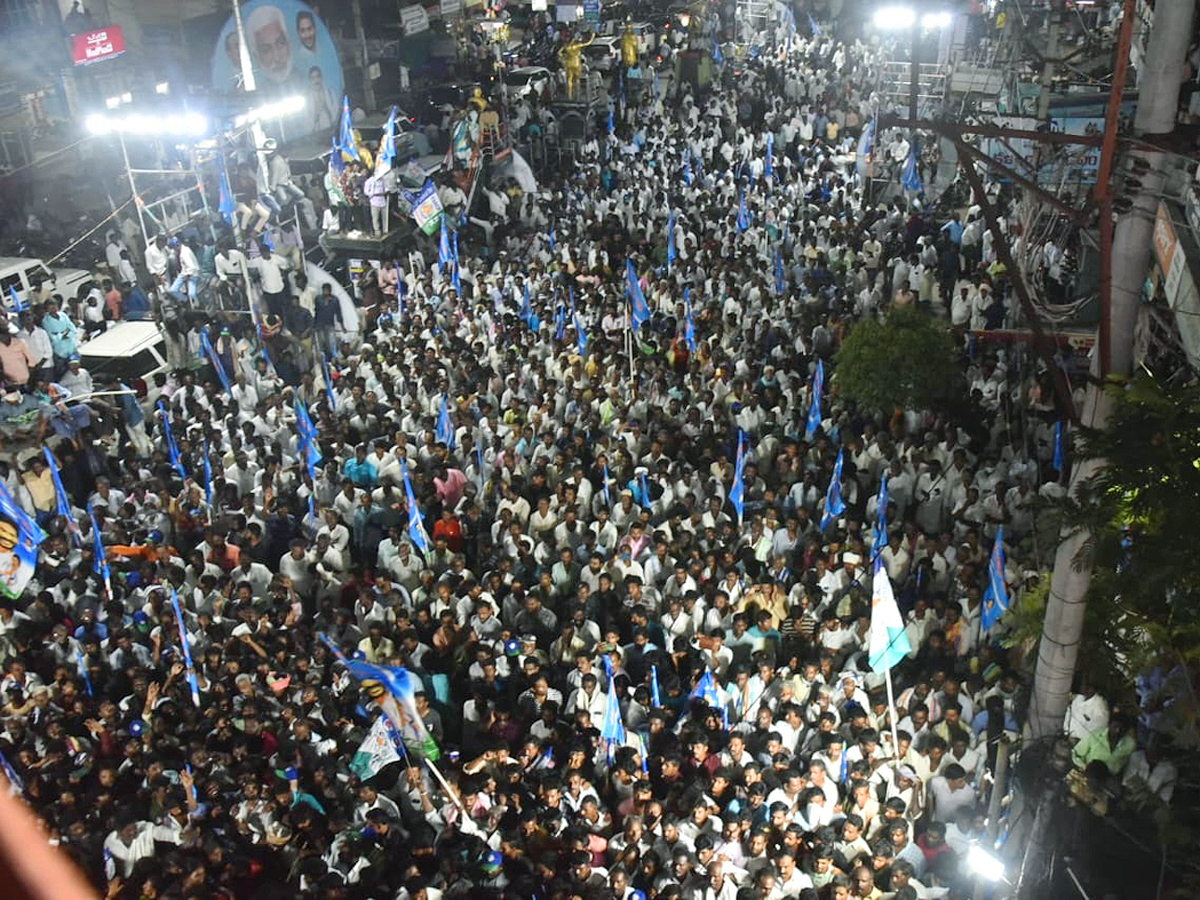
x: 20, y: 537
x: 292, y: 54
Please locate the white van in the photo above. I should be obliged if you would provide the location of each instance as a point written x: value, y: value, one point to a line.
x: 127, y: 350
x: 22, y: 274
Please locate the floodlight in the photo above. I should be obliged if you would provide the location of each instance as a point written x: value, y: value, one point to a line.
x: 984, y: 864
x: 162, y: 87
x: 890, y: 18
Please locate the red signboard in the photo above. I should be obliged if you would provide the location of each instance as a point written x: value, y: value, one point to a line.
x: 94, y: 46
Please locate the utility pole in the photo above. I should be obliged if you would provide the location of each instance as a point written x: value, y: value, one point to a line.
x: 1158, y: 100
x: 1050, y: 62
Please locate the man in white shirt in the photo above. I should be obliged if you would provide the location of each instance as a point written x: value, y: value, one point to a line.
x: 270, y: 269
x: 157, y: 259
x: 187, y: 282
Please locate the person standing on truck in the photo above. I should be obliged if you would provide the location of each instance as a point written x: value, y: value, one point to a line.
x: 157, y: 258
x: 39, y: 343
x: 64, y: 334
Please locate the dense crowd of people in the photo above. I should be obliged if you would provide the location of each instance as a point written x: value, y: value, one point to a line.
x: 573, y: 480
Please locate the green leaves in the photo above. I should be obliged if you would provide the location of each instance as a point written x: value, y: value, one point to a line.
x: 907, y: 361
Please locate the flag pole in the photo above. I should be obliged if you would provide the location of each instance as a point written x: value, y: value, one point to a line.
x: 887, y: 680
x: 629, y: 341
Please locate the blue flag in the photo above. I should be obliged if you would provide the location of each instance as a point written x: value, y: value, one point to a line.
x: 307, y: 443
x: 814, y: 409
x: 780, y: 279
x: 336, y: 163
x: 82, y: 665
x: 226, y: 205
x: 612, y: 125
x: 612, y: 729
x: 11, y: 774
x: 211, y: 352
x: 560, y: 322
x: 707, y: 690
x: 880, y: 535
x: 445, y: 251
x: 639, y: 309
x: 445, y: 427
x: 172, y: 447
x: 689, y: 327
x: 457, y: 280
x: 62, y: 503
x: 655, y: 696
x: 743, y: 216
x: 480, y: 467
x: 834, y: 505
x: 387, y: 144
x: 393, y: 688
x: 187, y: 650
x: 737, y: 493
x: 671, y: 240
x: 526, y: 305
x: 911, y: 177
x: 207, y: 479
x: 550, y: 237
x: 100, y: 561
x: 607, y: 493
x: 346, y: 141
x: 416, y: 526
x: 329, y: 395
x: 769, y: 163
x: 1058, y: 447
x: 995, y: 598
x: 687, y: 166
x: 717, y: 55
x: 17, y: 305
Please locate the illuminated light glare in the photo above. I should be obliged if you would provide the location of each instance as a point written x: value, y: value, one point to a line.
x: 984, y: 864
x: 277, y: 110
x: 162, y: 87
x: 183, y: 124
x: 894, y: 17
x: 112, y: 102
x: 127, y: 97
x: 936, y: 20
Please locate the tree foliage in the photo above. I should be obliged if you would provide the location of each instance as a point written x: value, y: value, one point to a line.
x: 909, y: 360
x: 1141, y: 640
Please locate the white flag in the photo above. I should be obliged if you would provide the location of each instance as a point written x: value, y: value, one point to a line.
x: 376, y: 751
x: 889, y: 641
